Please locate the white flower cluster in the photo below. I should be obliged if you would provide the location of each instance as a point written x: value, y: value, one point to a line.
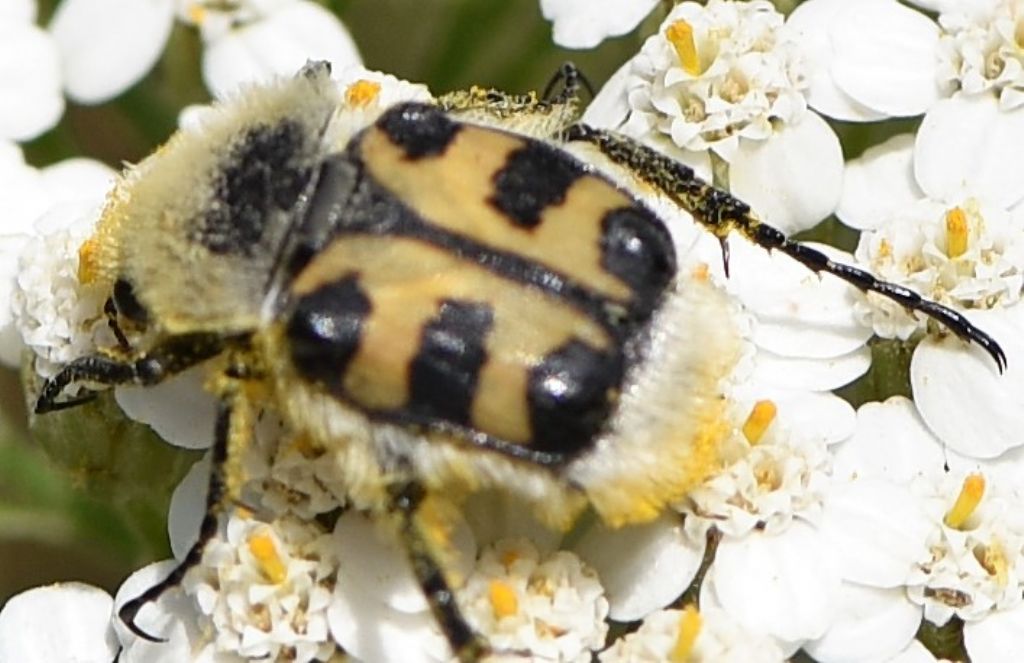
x: 716, y: 74
x: 980, y: 49
x: 823, y: 530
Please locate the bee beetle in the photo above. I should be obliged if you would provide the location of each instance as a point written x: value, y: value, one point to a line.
x: 445, y: 302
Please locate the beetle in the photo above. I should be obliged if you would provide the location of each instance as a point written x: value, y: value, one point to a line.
x: 448, y: 299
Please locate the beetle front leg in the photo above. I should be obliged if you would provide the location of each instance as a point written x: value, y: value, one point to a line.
x: 162, y: 361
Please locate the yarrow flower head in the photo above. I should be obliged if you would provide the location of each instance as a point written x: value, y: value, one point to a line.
x: 689, y: 636
x: 729, y: 78
x: 716, y: 74
x: 936, y: 222
x: 966, y: 255
x: 954, y: 545
x: 979, y: 50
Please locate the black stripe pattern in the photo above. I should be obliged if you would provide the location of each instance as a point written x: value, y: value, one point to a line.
x: 571, y: 391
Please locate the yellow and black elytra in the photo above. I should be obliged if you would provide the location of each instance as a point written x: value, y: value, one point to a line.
x: 446, y: 300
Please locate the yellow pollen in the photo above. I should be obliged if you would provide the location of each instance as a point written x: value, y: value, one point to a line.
x: 884, y: 249
x: 304, y: 446
x: 88, y: 260
x: 966, y: 502
x: 503, y: 599
x: 689, y: 629
x: 680, y: 35
x: 993, y: 559
x: 509, y: 557
x: 761, y: 416
x: 362, y: 93
x: 196, y: 13
x: 701, y: 272
x: 956, y: 233
x: 261, y: 545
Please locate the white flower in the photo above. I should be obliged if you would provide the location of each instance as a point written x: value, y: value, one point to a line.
x: 709, y: 636
x: 728, y: 78
x: 106, y: 46
x: 970, y: 561
x: 63, y: 623
x: 30, y: 77
x: 585, y: 23
x: 52, y: 212
x: 872, y: 59
x: 935, y: 222
x: 520, y: 593
x: 979, y: 50
x: 262, y: 590
x: 552, y: 606
x: 881, y: 59
x: 253, y: 40
x: 109, y: 45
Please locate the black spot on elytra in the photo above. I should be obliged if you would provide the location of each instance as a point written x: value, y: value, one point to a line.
x: 636, y: 247
x: 534, y: 177
x: 420, y: 130
x: 324, y: 330
x: 570, y: 397
x: 443, y: 376
x: 262, y: 174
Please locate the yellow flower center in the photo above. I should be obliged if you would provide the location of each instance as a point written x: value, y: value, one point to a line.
x: 262, y: 547
x: 993, y: 559
x: 956, y: 232
x: 689, y: 628
x: 362, y: 93
x: 680, y: 35
x: 966, y: 502
x: 503, y: 599
x: 761, y: 416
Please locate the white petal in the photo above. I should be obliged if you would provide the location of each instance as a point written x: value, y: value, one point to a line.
x: 811, y: 374
x: 872, y: 625
x: 372, y: 633
x: 373, y: 564
x: 63, y: 623
x: 18, y: 11
x: 960, y: 393
x: 188, y: 506
x: 886, y: 57
x: 781, y: 585
x: 610, y: 106
x: 24, y: 197
x: 809, y: 25
x: 991, y: 639
x: 586, y: 23
x: 78, y: 180
x: 794, y: 179
x: 877, y: 530
x: 109, y: 45
x: 915, y: 652
x: 30, y: 84
x: 172, y: 617
x: 819, y: 415
x: 279, y: 44
x: 891, y: 443
x: 967, y: 146
x: 879, y: 181
x: 799, y: 314
x: 162, y: 406
x: 642, y: 568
